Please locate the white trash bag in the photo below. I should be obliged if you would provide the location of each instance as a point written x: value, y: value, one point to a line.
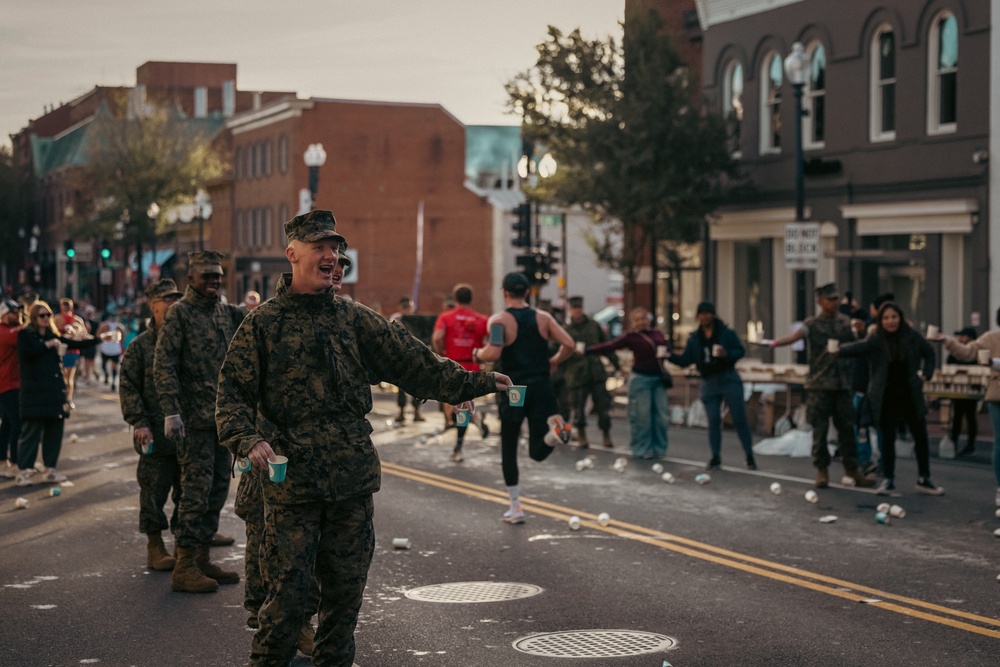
x: 677, y: 415
x: 946, y: 448
x: 697, y: 416
x: 795, y: 443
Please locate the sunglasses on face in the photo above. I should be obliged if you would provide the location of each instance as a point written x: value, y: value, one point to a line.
x: 41, y: 315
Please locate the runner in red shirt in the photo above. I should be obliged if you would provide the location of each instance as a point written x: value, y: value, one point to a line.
x: 456, y: 333
x: 10, y: 387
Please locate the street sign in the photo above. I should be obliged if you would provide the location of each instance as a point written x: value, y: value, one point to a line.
x: 550, y: 219
x: 802, y: 246
x: 107, y: 277
x: 84, y: 251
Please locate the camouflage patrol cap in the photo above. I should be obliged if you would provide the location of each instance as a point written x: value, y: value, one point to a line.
x: 344, y: 260
x: 828, y: 291
x: 162, y: 289
x: 206, y: 261
x: 313, y: 226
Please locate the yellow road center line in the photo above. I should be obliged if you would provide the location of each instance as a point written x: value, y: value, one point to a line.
x: 710, y: 553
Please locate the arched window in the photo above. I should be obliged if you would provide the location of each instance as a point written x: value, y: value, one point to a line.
x: 771, y: 76
x: 732, y: 106
x: 942, y: 84
x: 814, y: 100
x: 882, y: 117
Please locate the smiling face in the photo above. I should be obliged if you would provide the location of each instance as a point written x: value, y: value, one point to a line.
x: 206, y: 284
x: 314, y: 264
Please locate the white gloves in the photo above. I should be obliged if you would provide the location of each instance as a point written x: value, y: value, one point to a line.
x: 173, y: 427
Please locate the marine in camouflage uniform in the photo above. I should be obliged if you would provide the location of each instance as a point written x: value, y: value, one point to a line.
x: 189, y: 353
x: 585, y: 374
x: 158, y: 472
x: 297, y: 379
x: 828, y: 386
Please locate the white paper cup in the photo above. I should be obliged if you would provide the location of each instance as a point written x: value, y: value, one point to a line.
x: 574, y: 523
x: 897, y: 512
x: 658, y: 468
x: 883, y: 508
x: 667, y: 477
x: 983, y: 356
x: 400, y: 543
x: 604, y: 518
x: 718, y: 351
x: 661, y: 351
x: 276, y: 468
x: 580, y: 346
x: 832, y: 345
x: 812, y: 496
x: 21, y: 503
x: 932, y: 331
x: 775, y: 488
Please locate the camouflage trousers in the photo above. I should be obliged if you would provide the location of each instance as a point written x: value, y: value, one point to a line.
x: 337, y: 539
x: 250, y: 507
x: 205, y: 471
x: 158, y: 475
x: 823, y: 405
x: 602, y: 404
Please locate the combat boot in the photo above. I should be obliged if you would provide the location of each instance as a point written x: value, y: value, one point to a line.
x: 187, y: 578
x: 417, y: 417
x: 157, y: 557
x: 213, y: 571
x: 822, y: 478
x: 401, y: 417
x: 581, y: 438
x: 859, y: 478
x: 607, y: 439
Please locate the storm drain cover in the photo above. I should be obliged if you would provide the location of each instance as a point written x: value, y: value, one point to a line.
x: 594, y: 644
x: 462, y: 592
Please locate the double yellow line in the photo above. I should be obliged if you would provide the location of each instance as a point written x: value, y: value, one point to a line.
x: 982, y: 625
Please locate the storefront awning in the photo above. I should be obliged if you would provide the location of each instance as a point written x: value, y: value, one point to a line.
x: 162, y: 257
x: 943, y: 216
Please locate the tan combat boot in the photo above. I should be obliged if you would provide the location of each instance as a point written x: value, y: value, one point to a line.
x: 417, y: 417
x: 187, y: 578
x: 607, y: 439
x: 859, y: 478
x: 157, y: 557
x: 212, y: 571
x: 581, y: 438
x: 822, y: 478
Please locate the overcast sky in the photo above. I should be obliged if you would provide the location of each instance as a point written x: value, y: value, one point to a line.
x: 458, y: 53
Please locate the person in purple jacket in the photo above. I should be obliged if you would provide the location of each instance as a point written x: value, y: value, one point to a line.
x: 715, y: 348
x: 648, y: 413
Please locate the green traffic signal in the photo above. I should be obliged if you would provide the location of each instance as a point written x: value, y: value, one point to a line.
x: 105, y: 253
x: 71, y: 253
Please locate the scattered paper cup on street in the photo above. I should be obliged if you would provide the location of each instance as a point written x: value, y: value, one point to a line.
x: 604, y: 518
x: 881, y: 517
x: 847, y: 481
x: 277, y: 467
x: 422, y: 439
x: 667, y: 477
x: 574, y: 523
x: 702, y: 479
x: 243, y: 464
x: 54, y: 491
x: 515, y: 395
x: 775, y: 488
x: 829, y: 518
x: 812, y: 496
x: 658, y: 468
x: 581, y: 465
x: 998, y: 514
x: 590, y: 462
x: 996, y: 533
x: 983, y: 356
x: 621, y: 461
x: 21, y: 503
x: 73, y: 437
x: 883, y: 507
x: 897, y: 512
x: 400, y: 543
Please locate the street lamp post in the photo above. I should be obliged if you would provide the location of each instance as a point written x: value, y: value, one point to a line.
x: 797, y: 69
x: 153, y: 212
x: 202, y: 211
x: 315, y: 157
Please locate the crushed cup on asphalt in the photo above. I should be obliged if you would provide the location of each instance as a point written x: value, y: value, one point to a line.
x: 54, y: 491
x: 812, y: 496
x: 400, y: 543
x: 998, y: 514
x: 515, y: 395
x: 847, y: 481
x: 883, y: 507
x: 243, y: 464
x: 658, y: 468
x: 897, y: 512
x: 667, y: 477
x: 462, y: 418
x: 829, y: 518
x: 881, y: 517
x: 574, y: 523
x: 604, y: 518
x: 702, y: 479
x: 73, y: 437
x: 581, y: 465
x: 775, y: 488
x: 276, y: 468
x: 621, y: 462
x: 21, y: 503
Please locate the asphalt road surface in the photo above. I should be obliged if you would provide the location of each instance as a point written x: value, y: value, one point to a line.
x: 725, y: 573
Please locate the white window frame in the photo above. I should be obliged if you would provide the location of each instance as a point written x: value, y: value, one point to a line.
x: 767, y: 146
x: 809, y: 97
x: 876, y: 134
x: 727, y: 100
x: 934, y: 124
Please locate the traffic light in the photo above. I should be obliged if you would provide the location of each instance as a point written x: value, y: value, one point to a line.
x: 527, y: 264
x: 105, y: 251
x: 522, y: 226
x: 68, y: 248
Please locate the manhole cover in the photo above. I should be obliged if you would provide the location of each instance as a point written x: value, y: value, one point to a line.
x: 473, y: 591
x: 594, y: 644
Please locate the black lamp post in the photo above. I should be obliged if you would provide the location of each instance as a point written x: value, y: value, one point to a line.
x: 315, y: 157
x: 797, y: 69
x: 202, y: 211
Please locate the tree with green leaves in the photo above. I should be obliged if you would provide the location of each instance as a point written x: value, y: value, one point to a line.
x: 632, y: 146
x: 152, y: 156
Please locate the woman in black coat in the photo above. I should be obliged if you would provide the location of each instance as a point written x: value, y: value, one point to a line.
x: 899, y: 360
x: 43, y: 394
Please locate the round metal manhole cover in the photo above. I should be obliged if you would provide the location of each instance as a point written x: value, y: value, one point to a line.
x: 594, y: 644
x: 462, y: 592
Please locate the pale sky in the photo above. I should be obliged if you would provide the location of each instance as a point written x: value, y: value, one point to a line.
x: 458, y: 53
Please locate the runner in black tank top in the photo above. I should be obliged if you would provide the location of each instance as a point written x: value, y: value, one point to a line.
x: 524, y: 357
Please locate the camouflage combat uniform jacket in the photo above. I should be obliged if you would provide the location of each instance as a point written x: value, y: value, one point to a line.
x: 189, y: 353
x: 828, y: 371
x: 137, y: 390
x: 298, y: 375
x: 587, y: 370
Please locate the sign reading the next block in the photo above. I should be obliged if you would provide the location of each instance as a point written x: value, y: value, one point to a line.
x: 802, y: 246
